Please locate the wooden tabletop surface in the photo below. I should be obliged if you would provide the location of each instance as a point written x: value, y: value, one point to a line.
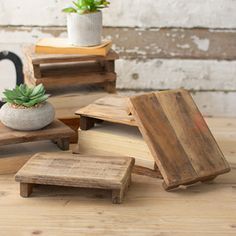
x: 201, y: 209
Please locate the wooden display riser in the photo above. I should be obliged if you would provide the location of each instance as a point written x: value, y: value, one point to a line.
x: 61, y: 71
x: 66, y: 169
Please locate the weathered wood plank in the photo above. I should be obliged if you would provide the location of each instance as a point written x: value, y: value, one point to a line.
x: 157, y: 13
x: 197, y: 43
x: 109, y: 108
x: 63, y: 81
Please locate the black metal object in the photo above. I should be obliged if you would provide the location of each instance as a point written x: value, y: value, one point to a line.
x: 6, y: 55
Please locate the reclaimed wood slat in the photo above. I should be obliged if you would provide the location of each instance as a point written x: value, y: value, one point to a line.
x: 110, y: 108
x: 178, y: 137
x: 63, y: 81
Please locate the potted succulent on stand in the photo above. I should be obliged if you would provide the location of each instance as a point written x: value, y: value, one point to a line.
x: 84, y: 22
x: 26, y: 108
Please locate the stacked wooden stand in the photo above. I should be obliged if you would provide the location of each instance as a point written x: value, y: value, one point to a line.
x: 60, y: 71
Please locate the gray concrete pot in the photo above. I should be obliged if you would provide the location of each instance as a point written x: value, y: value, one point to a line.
x: 84, y: 30
x: 27, y: 119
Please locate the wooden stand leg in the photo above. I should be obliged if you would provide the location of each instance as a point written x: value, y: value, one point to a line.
x: 63, y: 144
x: 168, y: 188
x: 86, y: 123
x: 110, y: 87
x: 26, y: 189
x: 118, y: 194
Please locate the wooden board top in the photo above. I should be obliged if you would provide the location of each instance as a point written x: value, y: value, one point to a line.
x: 178, y: 137
x: 68, y: 169
x: 53, y: 131
x: 112, y: 108
x: 38, y: 59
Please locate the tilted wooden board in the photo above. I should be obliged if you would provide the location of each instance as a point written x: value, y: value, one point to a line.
x: 112, y: 108
x: 66, y: 169
x: 178, y: 137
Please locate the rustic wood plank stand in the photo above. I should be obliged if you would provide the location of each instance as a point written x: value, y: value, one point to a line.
x: 179, y: 139
x: 60, y: 71
x: 66, y: 169
x: 59, y: 133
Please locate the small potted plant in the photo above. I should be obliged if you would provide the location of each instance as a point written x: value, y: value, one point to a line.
x: 26, y: 108
x: 84, y: 22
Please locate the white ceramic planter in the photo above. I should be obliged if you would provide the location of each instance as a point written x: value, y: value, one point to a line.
x: 84, y: 30
x: 27, y: 119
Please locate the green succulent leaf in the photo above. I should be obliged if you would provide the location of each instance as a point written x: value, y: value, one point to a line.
x: 37, y: 90
x: 87, y: 6
x: 25, y: 96
x: 69, y: 10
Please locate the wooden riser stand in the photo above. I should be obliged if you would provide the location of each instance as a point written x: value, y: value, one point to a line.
x: 61, y: 71
x: 112, y: 173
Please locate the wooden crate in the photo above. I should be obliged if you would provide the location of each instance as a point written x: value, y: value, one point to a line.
x: 61, y: 71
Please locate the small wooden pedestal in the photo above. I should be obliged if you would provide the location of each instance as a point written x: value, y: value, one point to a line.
x: 66, y: 169
x: 59, y: 133
x: 60, y: 71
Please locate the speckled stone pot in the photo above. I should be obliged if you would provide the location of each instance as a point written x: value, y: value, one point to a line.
x: 84, y: 30
x: 27, y: 119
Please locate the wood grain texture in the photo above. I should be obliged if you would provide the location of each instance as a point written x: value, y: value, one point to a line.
x: 112, y: 108
x: 56, y: 130
x: 202, y: 209
x: 63, y: 80
x: 115, y: 140
x: 66, y: 169
x: 178, y: 137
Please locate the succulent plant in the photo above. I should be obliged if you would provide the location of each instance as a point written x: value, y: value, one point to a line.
x: 87, y: 6
x: 24, y: 96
